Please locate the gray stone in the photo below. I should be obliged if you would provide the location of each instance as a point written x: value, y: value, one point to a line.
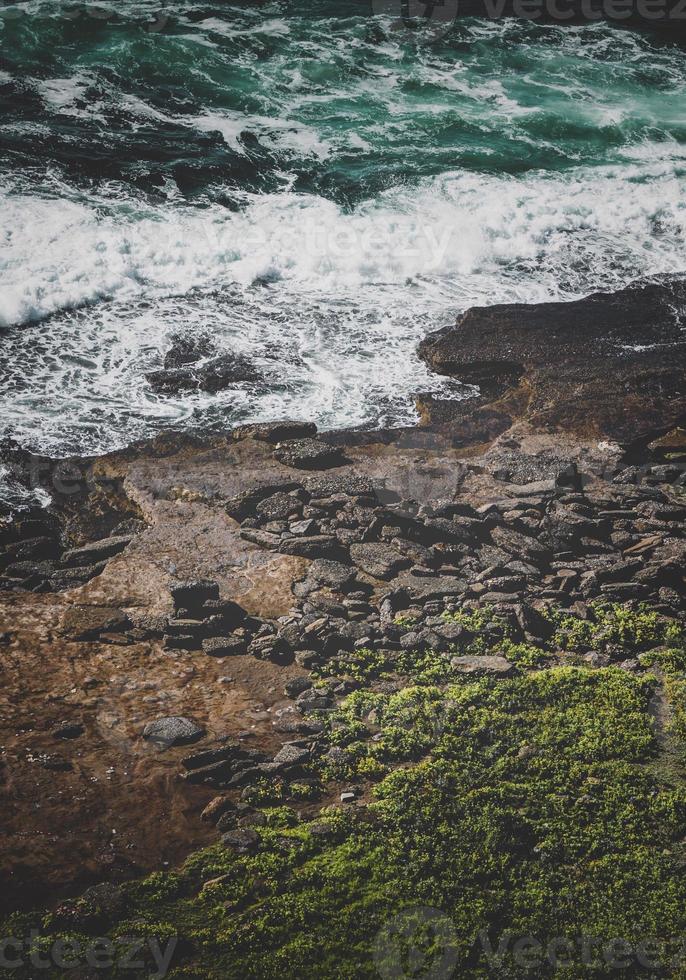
x: 173, y: 730
x: 291, y: 755
x: 378, y: 560
x: 224, y: 646
x: 96, y: 551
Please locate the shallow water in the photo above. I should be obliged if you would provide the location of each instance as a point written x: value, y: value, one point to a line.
x: 315, y: 189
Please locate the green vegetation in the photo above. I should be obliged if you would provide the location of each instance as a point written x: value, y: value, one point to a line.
x: 611, y: 628
x: 524, y: 804
x: 538, y: 806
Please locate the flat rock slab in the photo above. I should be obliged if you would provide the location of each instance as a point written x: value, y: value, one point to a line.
x: 308, y: 454
x: 88, y: 622
x: 96, y: 550
x: 171, y: 731
x: 610, y: 365
x: 494, y: 666
x: 432, y: 587
x: 224, y: 646
x: 378, y: 560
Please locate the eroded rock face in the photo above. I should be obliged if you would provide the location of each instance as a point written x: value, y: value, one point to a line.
x: 609, y: 365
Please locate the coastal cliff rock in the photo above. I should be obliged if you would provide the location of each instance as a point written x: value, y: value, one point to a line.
x: 609, y: 365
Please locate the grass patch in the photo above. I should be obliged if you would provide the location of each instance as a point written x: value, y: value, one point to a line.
x: 524, y: 805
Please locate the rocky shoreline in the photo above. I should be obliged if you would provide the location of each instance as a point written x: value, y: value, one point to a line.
x: 233, y: 593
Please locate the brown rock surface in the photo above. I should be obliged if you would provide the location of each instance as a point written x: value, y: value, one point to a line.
x: 609, y: 365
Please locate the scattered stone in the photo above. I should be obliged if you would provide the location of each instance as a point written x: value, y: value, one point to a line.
x: 291, y: 755
x: 243, y: 840
x: 224, y: 646
x: 174, y: 730
x: 69, y: 730
x: 216, y: 808
x: 378, y: 560
x: 296, y: 686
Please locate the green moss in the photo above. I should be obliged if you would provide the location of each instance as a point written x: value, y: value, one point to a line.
x: 615, y: 625
x: 526, y: 805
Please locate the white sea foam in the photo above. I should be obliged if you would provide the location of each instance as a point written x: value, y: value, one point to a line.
x: 566, y: 233
x: 330, y: 303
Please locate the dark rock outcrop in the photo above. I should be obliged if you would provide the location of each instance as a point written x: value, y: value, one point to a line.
x: 609, y: 365
x: 212, y: 375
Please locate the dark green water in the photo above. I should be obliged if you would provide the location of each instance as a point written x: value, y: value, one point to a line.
x: 315, y: 189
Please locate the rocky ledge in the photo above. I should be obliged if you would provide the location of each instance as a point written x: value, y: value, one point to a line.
x: 285, y: 643
x: 609, y: 366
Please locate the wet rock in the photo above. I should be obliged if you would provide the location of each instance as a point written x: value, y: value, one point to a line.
x: 308, y: 454
x: 173, y: 730
x: 188, y: 349
x: 212, y: 376
x: 274, y: 432
x: 609, y: 365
